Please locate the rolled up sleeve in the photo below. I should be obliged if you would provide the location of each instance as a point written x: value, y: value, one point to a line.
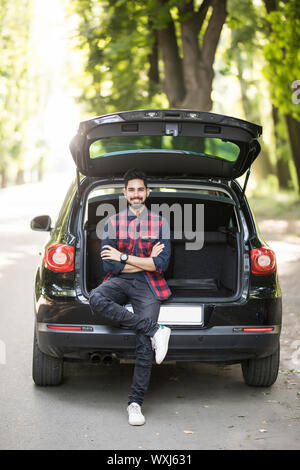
x: 110, y: 266
x: 162, y: 260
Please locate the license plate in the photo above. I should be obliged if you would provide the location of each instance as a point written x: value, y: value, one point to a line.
x: 179, y: 314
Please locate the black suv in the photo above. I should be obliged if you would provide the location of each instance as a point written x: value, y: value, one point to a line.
x: 226, y: 298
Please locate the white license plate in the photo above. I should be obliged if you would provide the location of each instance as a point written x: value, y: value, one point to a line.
x: 179, y: 314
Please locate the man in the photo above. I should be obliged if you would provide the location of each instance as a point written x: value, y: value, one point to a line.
x: 136, y: 251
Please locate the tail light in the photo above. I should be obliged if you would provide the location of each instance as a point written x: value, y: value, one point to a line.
x: 258, y: 330
x: 263, y: 261
x: 59, y: 258
x: 64, y: 328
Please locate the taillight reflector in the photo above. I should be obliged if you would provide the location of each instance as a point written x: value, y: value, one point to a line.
x: 66, y: 328
x: 263, y: 261
x: 59, y: 258
x: 258, y: 330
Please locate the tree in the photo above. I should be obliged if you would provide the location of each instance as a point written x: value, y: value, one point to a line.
x: 283, y: 57
x: 188, y: 80
x: 18, y: 95
x: 247, y: 27
x: 250, y: 31
x: 14, y: 35
x: 140, y: 51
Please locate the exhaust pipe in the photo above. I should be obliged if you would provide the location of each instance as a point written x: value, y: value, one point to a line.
x: 95, y: 358
x: 107, y: 360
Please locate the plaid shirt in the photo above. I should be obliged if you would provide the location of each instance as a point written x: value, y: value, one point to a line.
x: 130, y: 234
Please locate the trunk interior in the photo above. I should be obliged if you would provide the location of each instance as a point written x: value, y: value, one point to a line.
x: 210, y: 272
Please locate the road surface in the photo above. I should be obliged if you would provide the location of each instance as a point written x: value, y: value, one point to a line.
x: 188, y: 406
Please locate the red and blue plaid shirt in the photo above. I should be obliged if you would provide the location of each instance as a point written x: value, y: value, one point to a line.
x: 136, y: 235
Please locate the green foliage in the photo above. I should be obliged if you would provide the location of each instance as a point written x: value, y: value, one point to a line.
x: 248, y: 32
x: 246, y: 21
x: 18, y: 95
x: 254, y: 50
x: 117, y: 40
x: 14, y: 33
x: 282, y: 53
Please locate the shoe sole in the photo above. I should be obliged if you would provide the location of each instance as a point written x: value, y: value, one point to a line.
x: 136, y: 424
x: 166, y: 349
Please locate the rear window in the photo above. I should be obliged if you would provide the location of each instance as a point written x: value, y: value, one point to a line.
x: 197, y: 146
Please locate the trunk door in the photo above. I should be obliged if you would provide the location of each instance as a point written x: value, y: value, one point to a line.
x: 166, y: 143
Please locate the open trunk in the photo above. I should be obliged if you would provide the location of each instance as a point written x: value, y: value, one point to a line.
x: 210, y: 272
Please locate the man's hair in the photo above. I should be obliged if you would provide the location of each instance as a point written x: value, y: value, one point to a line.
x: 134, y: 174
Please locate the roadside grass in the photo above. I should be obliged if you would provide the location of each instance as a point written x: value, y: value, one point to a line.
x: 280, y: 205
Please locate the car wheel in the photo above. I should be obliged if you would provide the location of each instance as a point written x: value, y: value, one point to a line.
x: 261, y: 372
x: 46, y: 370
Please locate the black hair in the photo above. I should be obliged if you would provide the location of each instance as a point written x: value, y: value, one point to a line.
x: 133, y: 174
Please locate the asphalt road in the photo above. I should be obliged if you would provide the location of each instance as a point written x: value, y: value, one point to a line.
x: 188, y: 406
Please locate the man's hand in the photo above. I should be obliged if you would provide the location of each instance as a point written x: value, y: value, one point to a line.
x: 109, y: 252
x: 157, y: 249
x: 145, y: 264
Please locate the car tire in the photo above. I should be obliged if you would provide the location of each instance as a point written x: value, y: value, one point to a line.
x: 261, y: 372
x: 46, y: 370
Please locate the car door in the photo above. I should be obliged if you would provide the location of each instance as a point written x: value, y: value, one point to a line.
x: 166, y: 143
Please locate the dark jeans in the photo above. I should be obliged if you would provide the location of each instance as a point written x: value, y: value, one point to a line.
x: 108, y: 299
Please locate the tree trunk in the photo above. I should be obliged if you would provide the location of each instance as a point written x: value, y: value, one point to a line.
x: 3, y: 178
x: 20, y: 177
x: 198, y: 63
x: 293, y: 127
x: 40, y: 169
x: 153, y: 73
x: 174, y: 83
x: 271, y: 5
x: 283, y: 170
x: 188, y: 81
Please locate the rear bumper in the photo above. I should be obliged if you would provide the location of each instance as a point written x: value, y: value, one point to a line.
x: 218, y: 343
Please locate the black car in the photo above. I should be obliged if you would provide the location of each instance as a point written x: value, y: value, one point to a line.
x: 226, y: 300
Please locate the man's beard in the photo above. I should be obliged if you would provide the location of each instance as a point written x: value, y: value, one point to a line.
x: 137, y: 205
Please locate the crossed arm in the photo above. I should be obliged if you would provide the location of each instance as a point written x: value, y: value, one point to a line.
x: 134, y: 263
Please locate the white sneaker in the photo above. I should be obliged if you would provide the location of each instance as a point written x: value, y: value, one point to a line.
x: 136, y: 418
x: 160, y: 343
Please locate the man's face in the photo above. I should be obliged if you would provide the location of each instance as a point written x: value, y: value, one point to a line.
x: 136, y: 193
